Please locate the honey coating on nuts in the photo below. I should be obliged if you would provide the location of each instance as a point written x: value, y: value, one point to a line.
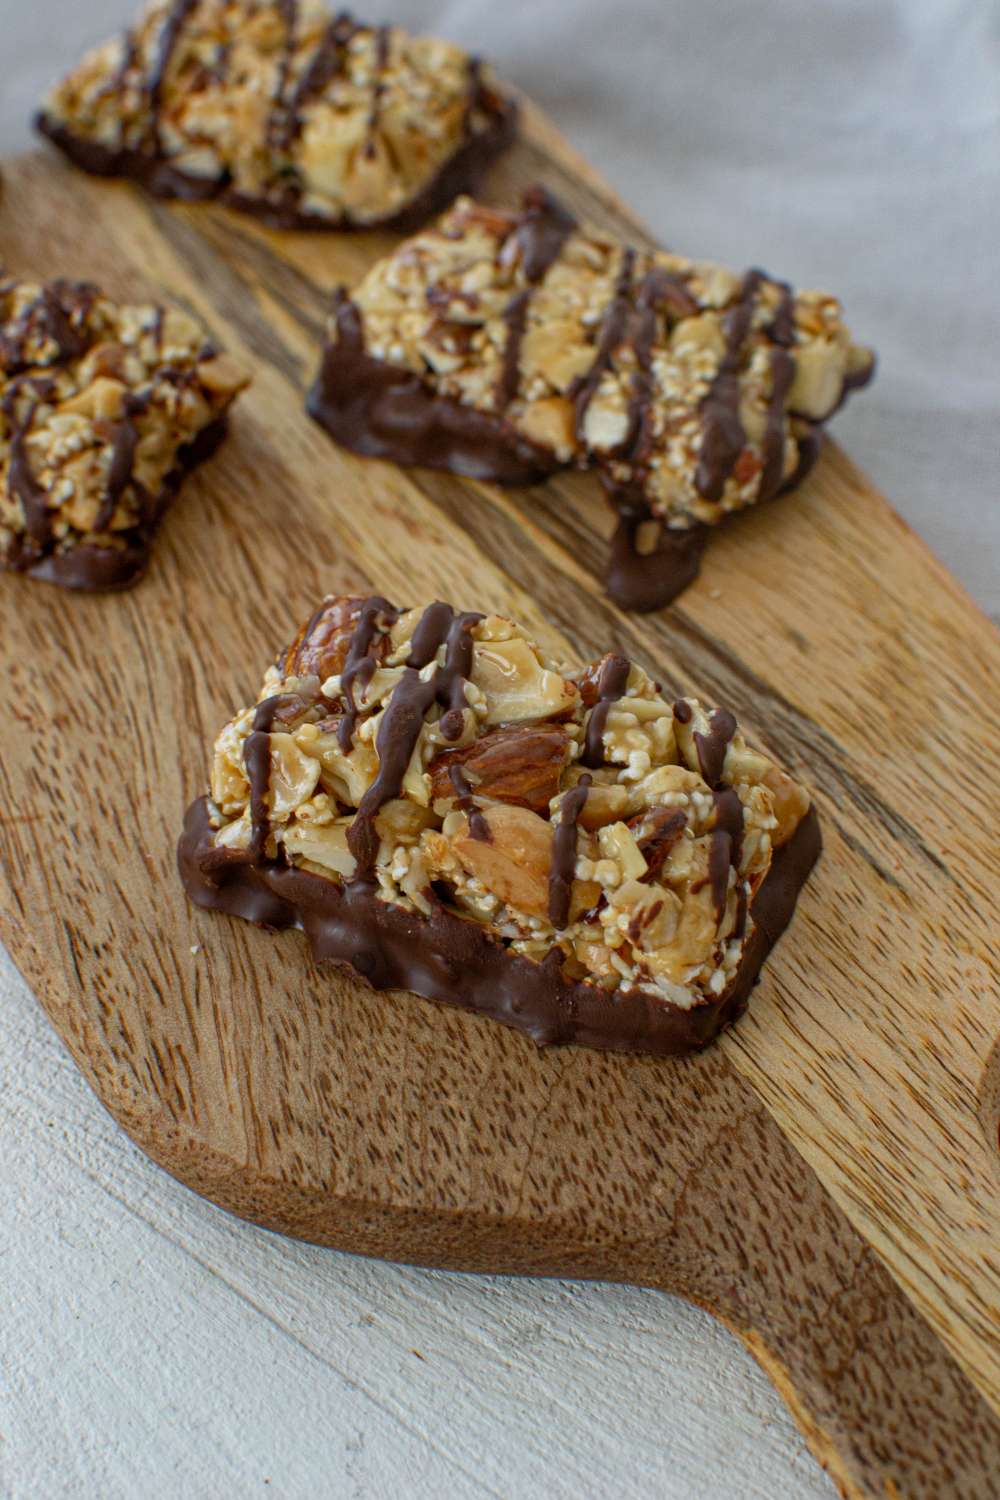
x: 75, y: 369
x: 437, y: 306
x: 645, y: 911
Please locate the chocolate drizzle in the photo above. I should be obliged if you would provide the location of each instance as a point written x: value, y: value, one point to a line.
x: 725, y: 845
x: 610, y: 686
x: 742, y: 907
x: 711, y: 748
x: 326, y: 64
x: 380, y: 62
x: 119, y: 78
x: 647, y: 581
x: 782, y: 375
x: 437, y: 626
x: 359, y: 663
x: 726, y: 842
x: 542, y: 231
x: 401, y: 723
x: 257, y: 761
x: 479, y: 828
x: 170, y: 35
x: 350, y: 328
x: 564, y: 852
x: 280, y: 123
x: 644, y: 581
x: 723, y: 438
x: 612, y: 333
x: 515, y: 318
x: 544, y: 227
x: 473, y: 95
x: 69, y: 342
x: 120, y: 469
x: 658, y: 288
x: 781, y: 329
x: 21, y: 482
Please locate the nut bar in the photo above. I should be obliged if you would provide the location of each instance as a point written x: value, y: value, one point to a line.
x: 506, y: 346
x: 307, y: 120
x: 103, y: 408
x: 444, y: 810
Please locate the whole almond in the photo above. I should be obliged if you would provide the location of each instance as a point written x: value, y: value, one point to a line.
x: 520, y: 764
x: 320, y: 648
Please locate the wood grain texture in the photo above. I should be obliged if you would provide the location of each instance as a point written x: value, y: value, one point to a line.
x: 826, y: 1179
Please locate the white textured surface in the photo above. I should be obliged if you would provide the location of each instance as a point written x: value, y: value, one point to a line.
x: 149, y: 1344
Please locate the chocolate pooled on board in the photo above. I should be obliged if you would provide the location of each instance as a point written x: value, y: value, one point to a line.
x: 442, y: 808
x: 505, y: 346
x: 307, y: 119
x: 103, y: 409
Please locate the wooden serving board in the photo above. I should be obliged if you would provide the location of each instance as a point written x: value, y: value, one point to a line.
x: 826, y: 1178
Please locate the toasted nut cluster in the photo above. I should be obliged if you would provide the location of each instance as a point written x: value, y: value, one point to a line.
x: 443, y: 759
x: 695, y: 391
x: 279, y: 104
x: 101, y: 407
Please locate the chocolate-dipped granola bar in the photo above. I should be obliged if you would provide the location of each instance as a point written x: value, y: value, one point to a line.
x: 443, y: 809
x: 103, y: 408
x: 306, y: 119
x: 508, y: 345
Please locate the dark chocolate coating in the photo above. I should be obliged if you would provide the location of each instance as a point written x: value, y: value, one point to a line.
x: 382, y: 411
x: 91, y: 569
x: 455, y: 960
x: 646, y: 581
x: 459, y: 174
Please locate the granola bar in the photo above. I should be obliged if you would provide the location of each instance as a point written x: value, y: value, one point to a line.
x: 306, y: 119
x: 103, y: 407
x: 508, y: 345
x: 445, y: 810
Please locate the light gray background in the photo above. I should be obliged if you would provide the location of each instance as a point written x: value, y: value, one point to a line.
x: 150, y: 1345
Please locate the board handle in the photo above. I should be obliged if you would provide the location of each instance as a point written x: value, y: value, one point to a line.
x: 882, y: 1404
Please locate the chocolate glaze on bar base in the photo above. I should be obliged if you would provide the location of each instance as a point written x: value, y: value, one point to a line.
x: 88, y: 568
x: 455, y: 960
x: 461, y: 173
x: 382, y: 411
x: 643, y: 581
